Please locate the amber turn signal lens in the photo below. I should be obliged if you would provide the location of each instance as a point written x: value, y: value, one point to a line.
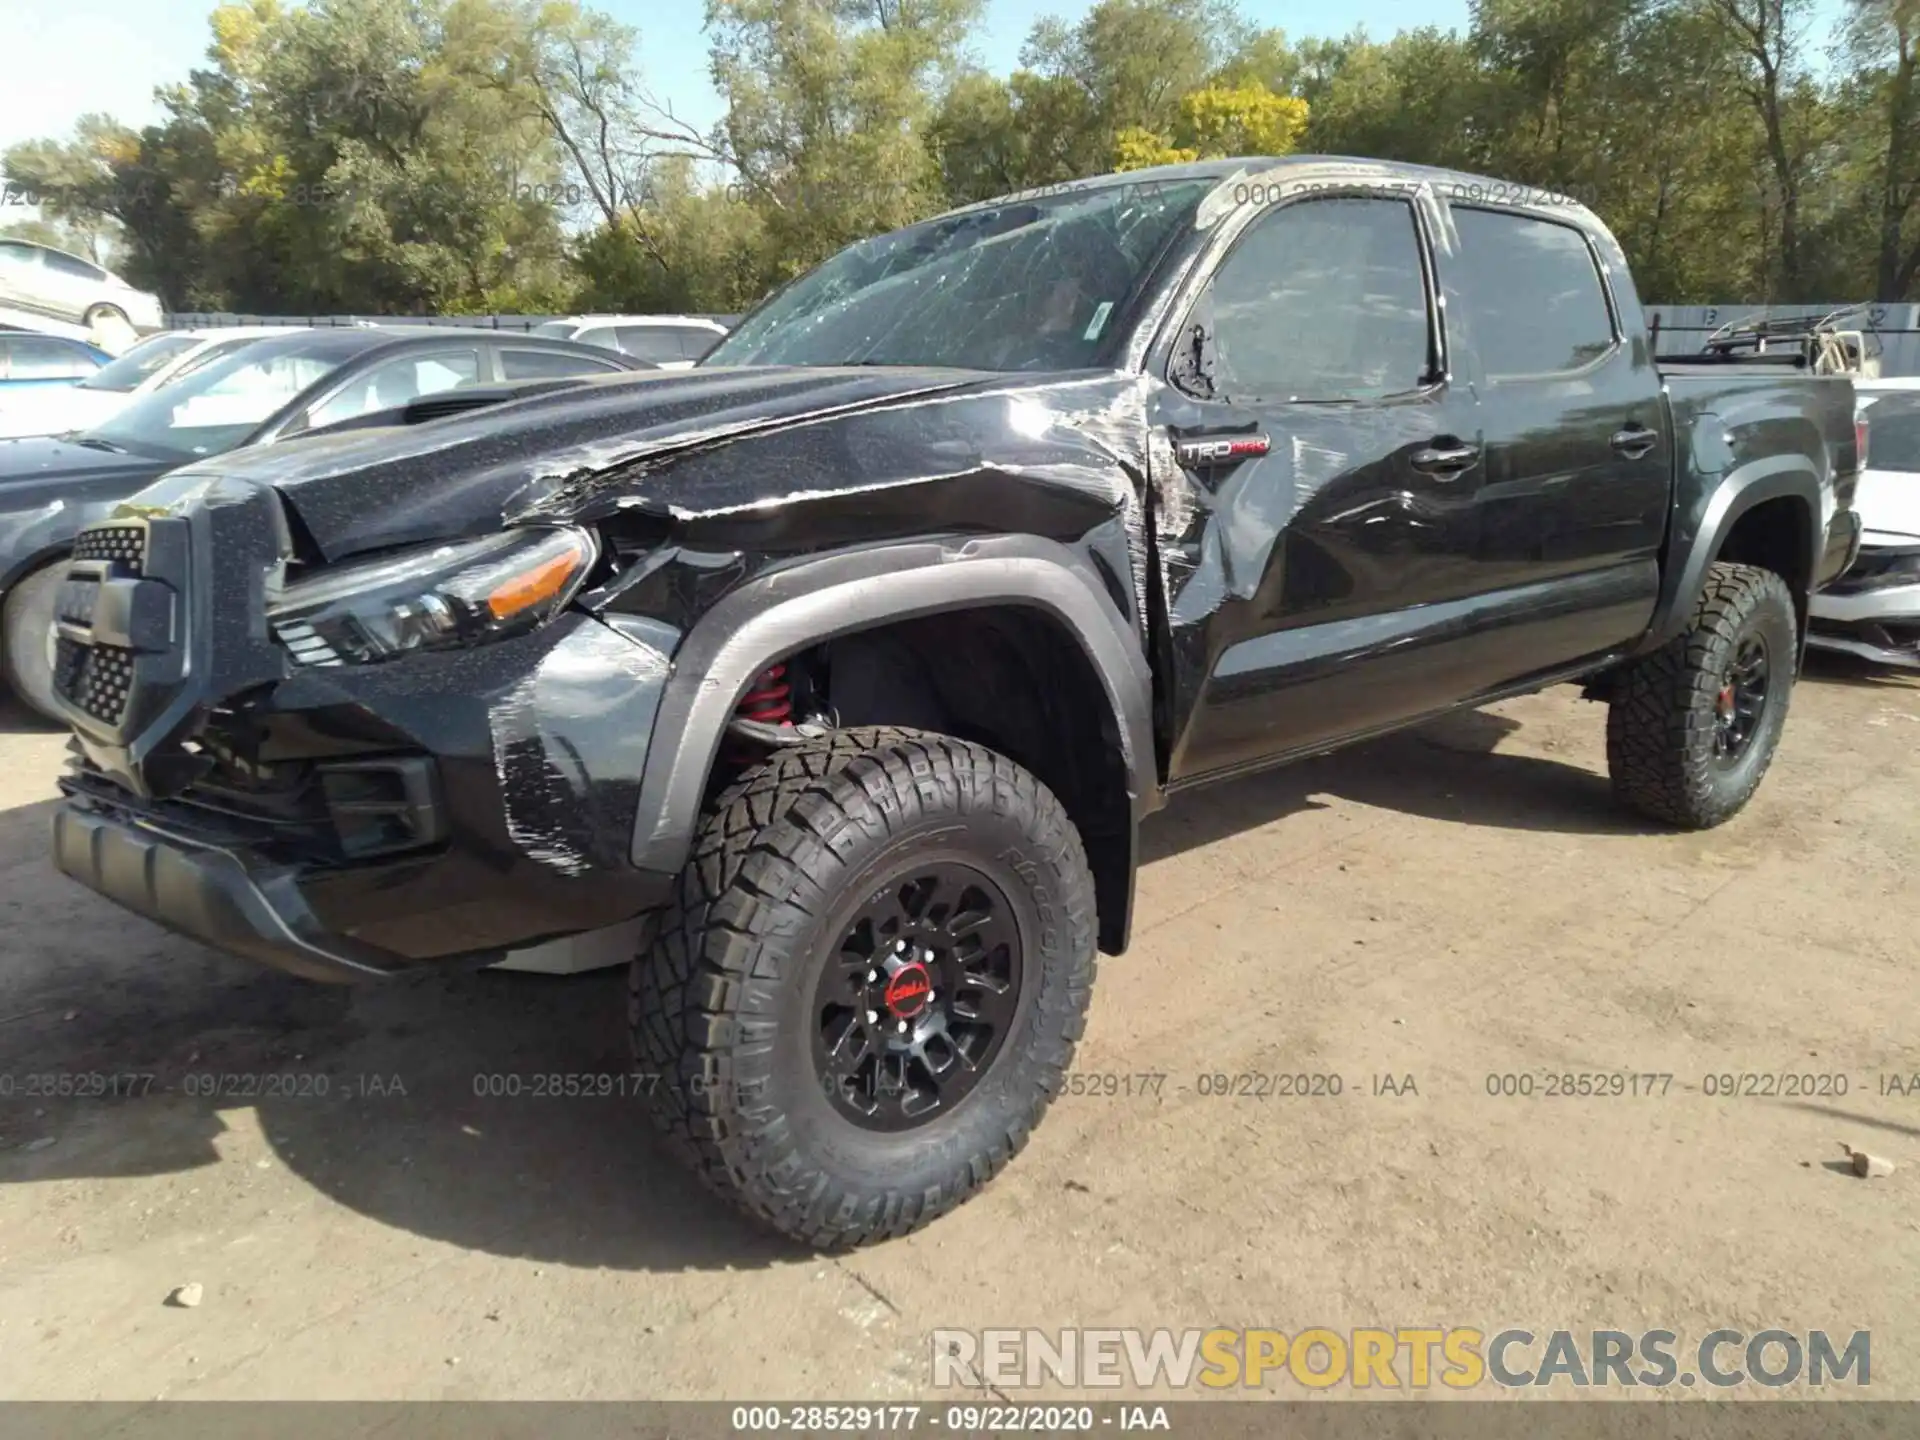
x: 542, y: 582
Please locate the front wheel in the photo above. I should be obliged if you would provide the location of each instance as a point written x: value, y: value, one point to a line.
x: 870, y: 983
x: 1692, y: 727
x: 26, y: 632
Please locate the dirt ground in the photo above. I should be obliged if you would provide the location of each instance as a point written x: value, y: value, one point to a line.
x: 1449, y: 904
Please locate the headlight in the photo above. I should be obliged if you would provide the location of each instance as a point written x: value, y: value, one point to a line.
x: 440, y: 598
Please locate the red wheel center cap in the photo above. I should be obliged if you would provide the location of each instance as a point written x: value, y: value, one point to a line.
x: 908, y: 990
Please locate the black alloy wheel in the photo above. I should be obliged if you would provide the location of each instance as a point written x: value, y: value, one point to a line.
x: 1741, y: 703
x: 868, y: 986
x: 921, y: 990
x: 1693, y: 726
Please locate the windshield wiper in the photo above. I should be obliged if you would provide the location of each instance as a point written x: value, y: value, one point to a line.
x: 94, y: 442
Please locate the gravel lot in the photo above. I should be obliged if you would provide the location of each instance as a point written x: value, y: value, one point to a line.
x: 1447, y: 904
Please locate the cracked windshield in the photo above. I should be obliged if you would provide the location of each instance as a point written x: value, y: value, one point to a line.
x: 1029, y: 285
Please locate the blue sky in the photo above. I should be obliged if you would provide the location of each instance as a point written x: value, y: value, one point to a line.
x: 62, y: 58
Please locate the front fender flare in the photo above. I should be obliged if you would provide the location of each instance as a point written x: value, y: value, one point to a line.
x: 817, y: 600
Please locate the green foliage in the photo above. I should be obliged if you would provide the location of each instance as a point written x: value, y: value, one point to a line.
x: 465, y: 155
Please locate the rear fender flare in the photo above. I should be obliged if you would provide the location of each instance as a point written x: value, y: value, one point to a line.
x: 1776, y: 477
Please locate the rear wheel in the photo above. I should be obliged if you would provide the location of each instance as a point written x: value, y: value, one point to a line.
x: 870, y: 983
x: 109, y: 328
x: 26, y: 626
x: 1692, y: 727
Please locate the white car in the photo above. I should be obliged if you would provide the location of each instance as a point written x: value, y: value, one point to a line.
x: 43, y: 287
x: 1873, y: 609
x: 151, y: 363
x: 672, y: 342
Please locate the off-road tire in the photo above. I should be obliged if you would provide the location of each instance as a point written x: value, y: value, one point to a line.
x: 24, y: 622
x: 1661, y: 722
x: 719, y: 1004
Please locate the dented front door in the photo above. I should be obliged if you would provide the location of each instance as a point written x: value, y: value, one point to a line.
x: 1320, y: 578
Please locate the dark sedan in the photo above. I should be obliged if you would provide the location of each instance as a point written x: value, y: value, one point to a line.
x: 278, y: 390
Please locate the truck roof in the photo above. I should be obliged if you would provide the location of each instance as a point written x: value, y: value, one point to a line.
x: 1454, y: 184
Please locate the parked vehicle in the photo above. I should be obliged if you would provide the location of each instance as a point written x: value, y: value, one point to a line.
x: 854, y: 658
x: 155, y: 361
x: 1873, y: 610
x: 39, y: 281
x: 260, y: 393
x: 33, y: 367
x: 673, y: 342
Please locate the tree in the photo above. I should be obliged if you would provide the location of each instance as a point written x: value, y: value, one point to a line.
x: 1768, y: 35
x: 1882, y: 41
x: 830, y: 109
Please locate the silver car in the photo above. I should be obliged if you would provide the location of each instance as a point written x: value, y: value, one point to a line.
x: 39, y: 284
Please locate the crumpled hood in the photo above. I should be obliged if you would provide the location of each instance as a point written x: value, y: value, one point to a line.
x: 589, y: 451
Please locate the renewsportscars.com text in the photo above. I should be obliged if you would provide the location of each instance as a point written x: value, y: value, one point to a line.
x: 1397, y: 1358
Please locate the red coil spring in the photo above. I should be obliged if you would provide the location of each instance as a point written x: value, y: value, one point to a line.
x: 771, y: 700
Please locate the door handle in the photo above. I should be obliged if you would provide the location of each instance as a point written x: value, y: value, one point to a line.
x: 1634, y: 441
x: 1445, y: 461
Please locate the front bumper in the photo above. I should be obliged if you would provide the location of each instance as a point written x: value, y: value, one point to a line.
x: 352, y: 821
x: 524, y: 834
x: 1873, y: 610
x: 208, y: 894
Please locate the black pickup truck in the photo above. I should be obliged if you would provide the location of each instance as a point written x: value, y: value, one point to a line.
x: 854, y: 658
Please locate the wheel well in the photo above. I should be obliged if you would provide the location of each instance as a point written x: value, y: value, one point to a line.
x: 1014, y: 679
x: 1776, y: 535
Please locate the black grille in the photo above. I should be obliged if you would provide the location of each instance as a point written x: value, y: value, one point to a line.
x: 96, y: 678
x: 123, y: 545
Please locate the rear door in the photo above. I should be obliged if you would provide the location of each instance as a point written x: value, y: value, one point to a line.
x: 73, y: 285
x: 1579, y: 456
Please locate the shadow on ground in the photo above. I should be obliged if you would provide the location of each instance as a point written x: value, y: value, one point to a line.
x: 1836, y: 667
x: 17, y: 719
x: 1445, y: 770
x: 452, y: 1106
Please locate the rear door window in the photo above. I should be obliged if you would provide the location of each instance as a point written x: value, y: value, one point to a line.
x: 38, y: 357
x: 538, y: 364
x: 397, y: 382
x: 73, y: 267
x: 1533, y: 294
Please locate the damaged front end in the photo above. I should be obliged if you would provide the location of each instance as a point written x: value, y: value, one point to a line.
x: 351, y: 748
x: 237, y: 780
